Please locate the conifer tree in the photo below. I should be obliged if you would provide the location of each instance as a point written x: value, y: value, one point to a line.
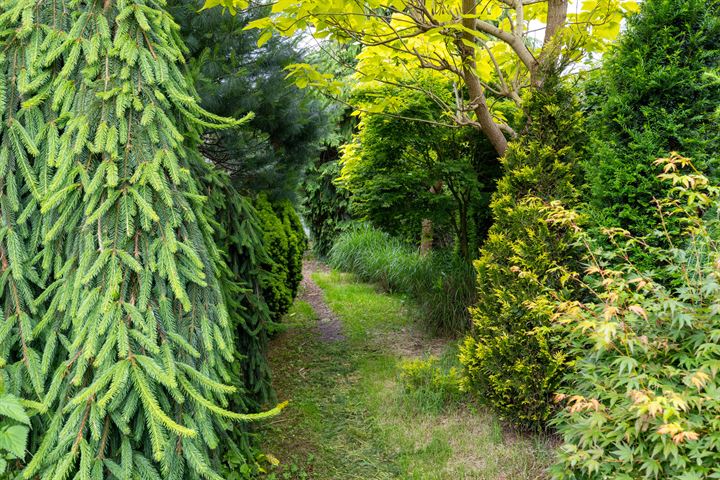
x: 285, y: 242
x: 655, y: 94
x: 237, y: 230
x: 135, y: 337
x: 513, y: 357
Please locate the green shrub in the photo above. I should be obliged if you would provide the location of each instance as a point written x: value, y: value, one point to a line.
x: 403, y: 174
x: 655, y: 94
x: 297, y: 242
x: 644, y: 401
x: 285, y: 245
x: 326, y: 205
x: 512, y: 358
x: 429, y: 384
x: 440, y: 283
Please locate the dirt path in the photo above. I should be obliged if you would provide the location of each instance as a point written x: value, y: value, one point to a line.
x: 329, y: 326
x: 351, y: 416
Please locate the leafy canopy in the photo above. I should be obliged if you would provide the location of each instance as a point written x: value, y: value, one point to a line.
x: 491, y: 50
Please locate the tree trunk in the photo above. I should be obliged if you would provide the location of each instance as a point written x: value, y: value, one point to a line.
x: 556, y: 17
x: 557, y: 14
x: 426, y: 239
x: 475, y: 89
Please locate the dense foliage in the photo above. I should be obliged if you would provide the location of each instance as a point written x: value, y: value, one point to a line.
x: 440, y: 283
x: 285, y: 243
x: 149, y: 243
x: 326, y: 204
x: 408, y: 167
x: 235, y: 74
x: 512, y: 357
x: 238, y: 234
x: 655, y: 94
x: 237, y: 231
x: 644, y: 401
x: 115, y: 328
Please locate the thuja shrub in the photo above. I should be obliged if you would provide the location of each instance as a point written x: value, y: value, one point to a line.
x: 441, y: 283
x: 285, y: 245
x: 297, y: 242
x: 644, y: 399
x: 513, y: 358
x: 114, y: 326
x: 655, y: 93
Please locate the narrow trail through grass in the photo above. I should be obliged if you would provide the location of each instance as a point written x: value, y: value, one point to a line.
x: 339, y: 360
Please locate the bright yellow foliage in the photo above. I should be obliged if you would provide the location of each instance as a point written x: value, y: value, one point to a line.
x: 402, y: 36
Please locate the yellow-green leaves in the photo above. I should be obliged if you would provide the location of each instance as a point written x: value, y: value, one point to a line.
x: 231, y: 5
x: 498, y: 45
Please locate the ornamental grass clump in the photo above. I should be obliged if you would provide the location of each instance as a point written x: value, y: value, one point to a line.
x: 441, y: 283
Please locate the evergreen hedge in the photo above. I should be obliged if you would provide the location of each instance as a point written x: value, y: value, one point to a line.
x: 655, y: 94
x: 285, y: 243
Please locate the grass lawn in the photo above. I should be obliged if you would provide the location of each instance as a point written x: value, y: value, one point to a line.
x: 350, y: 416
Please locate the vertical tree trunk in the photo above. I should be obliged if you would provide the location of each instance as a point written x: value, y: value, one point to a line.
x: 556, y: 17
x: 557, y: 14
x: 426, y: 239
x: 475, y: 89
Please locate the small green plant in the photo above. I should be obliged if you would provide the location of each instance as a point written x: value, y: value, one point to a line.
x: 644, y: 398
x: 429, y: 385
x: 238, y: 465
x: 14, y: 430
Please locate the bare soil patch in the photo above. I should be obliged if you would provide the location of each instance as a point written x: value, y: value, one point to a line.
x: 329, y: 326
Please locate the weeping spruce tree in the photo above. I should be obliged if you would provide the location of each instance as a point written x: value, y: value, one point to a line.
x: 114, y: 324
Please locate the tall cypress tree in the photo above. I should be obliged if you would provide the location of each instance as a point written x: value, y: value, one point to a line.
x: 655, y: 94
x: 131, y: 322
x: 514, y: 357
